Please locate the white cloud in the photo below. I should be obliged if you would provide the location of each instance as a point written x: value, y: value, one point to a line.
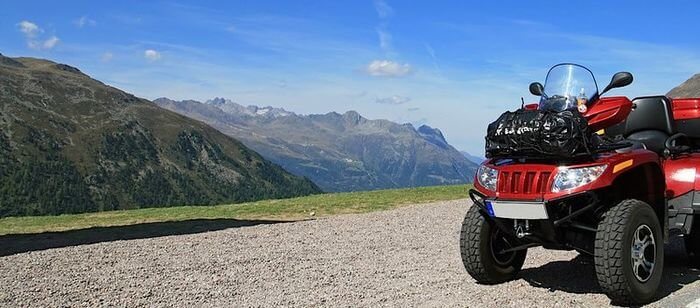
x: 151, y: 55
x: 31, y: 31
x: 232, y: 29
x: 50, y: 43
x: 84, y: 21
x: 383, y: 9
x: 387, y: 68
x: 29, y: 28
x: 107, y: 56
x: 393, y: 100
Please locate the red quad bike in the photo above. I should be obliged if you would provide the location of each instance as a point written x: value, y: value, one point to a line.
x: 618, y: 206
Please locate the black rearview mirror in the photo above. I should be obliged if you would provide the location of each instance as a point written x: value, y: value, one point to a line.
x: 537, y: 89
x: 618, y: 80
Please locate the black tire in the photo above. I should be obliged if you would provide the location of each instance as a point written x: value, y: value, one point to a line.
x: 692, y: 242
x: 614, y: 265
x: 476, y: 239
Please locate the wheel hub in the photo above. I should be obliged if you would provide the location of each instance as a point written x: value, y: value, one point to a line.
x: 498, y: 244
x: 643, y: 253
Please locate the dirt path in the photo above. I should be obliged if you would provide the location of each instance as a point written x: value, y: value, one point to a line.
x: 403, y: 257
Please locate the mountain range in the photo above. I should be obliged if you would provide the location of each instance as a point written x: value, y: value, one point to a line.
x: 338, y: 152
x: 70, y: 144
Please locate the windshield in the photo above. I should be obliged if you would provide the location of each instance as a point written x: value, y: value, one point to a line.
x: 568, y: 86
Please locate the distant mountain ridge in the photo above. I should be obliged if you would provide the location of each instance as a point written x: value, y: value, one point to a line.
x: 689, y: 88
x: 473, y: 158
x: 338, y: 152
x: 71, y: 144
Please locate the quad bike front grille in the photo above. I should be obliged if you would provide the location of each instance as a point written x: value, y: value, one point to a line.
x: 519, y: 182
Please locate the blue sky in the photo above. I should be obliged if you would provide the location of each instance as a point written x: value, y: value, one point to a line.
x: 455, y: 65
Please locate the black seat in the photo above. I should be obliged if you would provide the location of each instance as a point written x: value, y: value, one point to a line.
x: 650, y: 122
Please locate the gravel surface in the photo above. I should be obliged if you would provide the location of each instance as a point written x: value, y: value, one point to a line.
x: 403, y: 257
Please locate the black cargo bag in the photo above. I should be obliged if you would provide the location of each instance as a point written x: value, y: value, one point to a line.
x: 538, y: 134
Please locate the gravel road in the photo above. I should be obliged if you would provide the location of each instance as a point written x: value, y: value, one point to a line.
x: 402, y: 257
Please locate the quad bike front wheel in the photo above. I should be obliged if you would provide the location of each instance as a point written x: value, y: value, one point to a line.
x: 629, y: 254
x: 482, y: 246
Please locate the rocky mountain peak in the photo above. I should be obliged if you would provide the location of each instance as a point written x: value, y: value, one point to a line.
x: 231, y: 107
x: 268, y: 111
x: 433, y: 135
x: 217, y: 101
x: 689, y: 88
x: 353, y: 117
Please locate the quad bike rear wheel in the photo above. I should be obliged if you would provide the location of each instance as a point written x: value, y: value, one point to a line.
x: 482, y: 246
x: 692, y: 242
x: 629, y: 255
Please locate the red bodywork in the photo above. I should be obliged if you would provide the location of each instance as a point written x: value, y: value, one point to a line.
x: 534, y: 181
x: 682, y: 175
x: 531, y: 181
x: 608, y: 111
x: 686, y: 108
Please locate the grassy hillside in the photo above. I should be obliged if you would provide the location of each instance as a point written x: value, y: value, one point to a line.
x: 284, y: 209
x: 71, y: 144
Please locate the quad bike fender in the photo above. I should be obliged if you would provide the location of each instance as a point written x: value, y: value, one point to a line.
x: 643, y: 180
x: 636, y: 175
x: 622, y: 164
x: 682, y: 174
x: 683, y: 191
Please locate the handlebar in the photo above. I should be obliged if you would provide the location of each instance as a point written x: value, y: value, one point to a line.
x: 671, y: 146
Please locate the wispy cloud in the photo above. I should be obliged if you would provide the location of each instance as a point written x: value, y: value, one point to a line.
x: 130, y: 20
x: 383, y: 9
x: 50, y: 42
x: 32, y: 32
x: 295, y: 39
x: 433, y: 57
x: 29, y: 28
x: 151, y: 55
x: 393, y: 100
x: 384, y: 40
x: 387, y: 68
x: 84, y: 21
x: 107, y: 57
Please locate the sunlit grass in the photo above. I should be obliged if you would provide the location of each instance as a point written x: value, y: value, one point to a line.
x: 280, y: 209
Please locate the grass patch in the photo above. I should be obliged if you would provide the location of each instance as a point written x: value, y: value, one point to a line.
x: 280, y: 209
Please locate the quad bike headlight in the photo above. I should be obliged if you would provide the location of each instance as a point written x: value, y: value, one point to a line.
x: 570, y: 178
x: 487, y: 177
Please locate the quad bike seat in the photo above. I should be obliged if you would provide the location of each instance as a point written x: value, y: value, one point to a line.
x: 650, y: 123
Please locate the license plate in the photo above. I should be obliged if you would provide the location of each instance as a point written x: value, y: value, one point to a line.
x: 517, y: 210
